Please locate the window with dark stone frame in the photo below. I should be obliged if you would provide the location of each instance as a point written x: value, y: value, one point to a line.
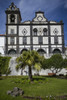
x: 12, y: 40
x: 24, y: 40
x: 35, y: 31
x: 12, y: 31
x: 56, y: 40
x: 45, y: 31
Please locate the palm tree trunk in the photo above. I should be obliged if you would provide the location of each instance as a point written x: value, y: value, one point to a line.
x: 21, y: 71
x: 30, y: 73
x: 0, y: 74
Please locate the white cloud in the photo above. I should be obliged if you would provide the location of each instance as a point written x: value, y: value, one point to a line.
x: 65, y: 3
x: 28, y: 7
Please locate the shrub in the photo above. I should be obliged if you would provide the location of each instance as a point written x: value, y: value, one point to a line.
x: 4, y: 65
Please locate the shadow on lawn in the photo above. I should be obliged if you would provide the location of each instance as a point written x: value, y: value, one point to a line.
x: 46, y: 98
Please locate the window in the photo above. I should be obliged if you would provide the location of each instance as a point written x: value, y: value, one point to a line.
x: 12, y: 40
x: 56, y: 39
x: 12, y: 18
x: 12, y: 31
x: 45, y: 31
x: 40, y: 40
x: 12, y: 52
x: 24, y: 40
x: 35, y: 31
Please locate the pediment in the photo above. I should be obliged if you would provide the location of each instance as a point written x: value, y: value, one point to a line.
x: 40, y: 17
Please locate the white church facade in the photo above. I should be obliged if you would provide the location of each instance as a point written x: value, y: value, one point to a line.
x: 46, y: 37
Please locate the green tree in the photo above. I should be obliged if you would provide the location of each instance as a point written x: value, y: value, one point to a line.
x: 4, y: 65
x: 64, y: 63
x: 54, y: 63
x: 30, y: 59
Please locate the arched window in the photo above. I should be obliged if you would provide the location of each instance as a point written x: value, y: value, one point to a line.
x: 41, y: 52
x: 56, y: 51
x: 12, y: 18
x: 23, y: 50
x: 45, y: 31
x: 35, y: 31
x: 12, y: 51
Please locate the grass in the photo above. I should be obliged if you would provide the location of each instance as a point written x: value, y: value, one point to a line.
x: 41, y: 86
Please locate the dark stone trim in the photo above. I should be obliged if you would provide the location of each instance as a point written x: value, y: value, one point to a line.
x: 15, y: 35
x: 62, y: 31
x: 37, y: 24
x: 39, y: 12
x: 49, y: 40
x: 6, y: 44
x: 31, y: 39
x: 7, y: 19
x: 6, y: 38
x: 12, y: 35
x: 2, y: 35
x: 17, y: 40
x: 34, y: 44
x: 40, y: 43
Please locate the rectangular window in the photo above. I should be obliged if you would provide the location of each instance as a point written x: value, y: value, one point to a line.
x: 40, y: 40
x: 12, y: 40
x: 24, y: 40
x: 12, y: 31
x: 56, y: 39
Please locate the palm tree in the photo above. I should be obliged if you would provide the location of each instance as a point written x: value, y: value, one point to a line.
x: 30, y: 59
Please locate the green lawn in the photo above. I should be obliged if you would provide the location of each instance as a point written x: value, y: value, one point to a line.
x: 42, y: 86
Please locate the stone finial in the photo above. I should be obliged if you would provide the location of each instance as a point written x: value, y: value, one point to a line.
x: 12, y: 7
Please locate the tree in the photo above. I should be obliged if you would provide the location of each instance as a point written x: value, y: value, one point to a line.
x: 64, y: 63
x: 54, y: 63
x: 30, y: 59
x: 46, y: 63
x: 4, y: 65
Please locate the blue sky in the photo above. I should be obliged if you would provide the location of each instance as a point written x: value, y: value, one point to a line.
x: 54, y: 10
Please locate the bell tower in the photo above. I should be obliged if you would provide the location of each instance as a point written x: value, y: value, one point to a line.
x: 13, y: 19
x: 13, y: 15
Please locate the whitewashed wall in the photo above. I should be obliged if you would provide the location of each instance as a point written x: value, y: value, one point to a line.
x: 21, y: 28
x: 59, y: 40
x: 45, y: 40
x: 35, y: 40
x: 52, y: 28
x: 2, y: 45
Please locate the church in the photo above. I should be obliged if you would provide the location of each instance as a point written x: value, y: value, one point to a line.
x: 46, y: 37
